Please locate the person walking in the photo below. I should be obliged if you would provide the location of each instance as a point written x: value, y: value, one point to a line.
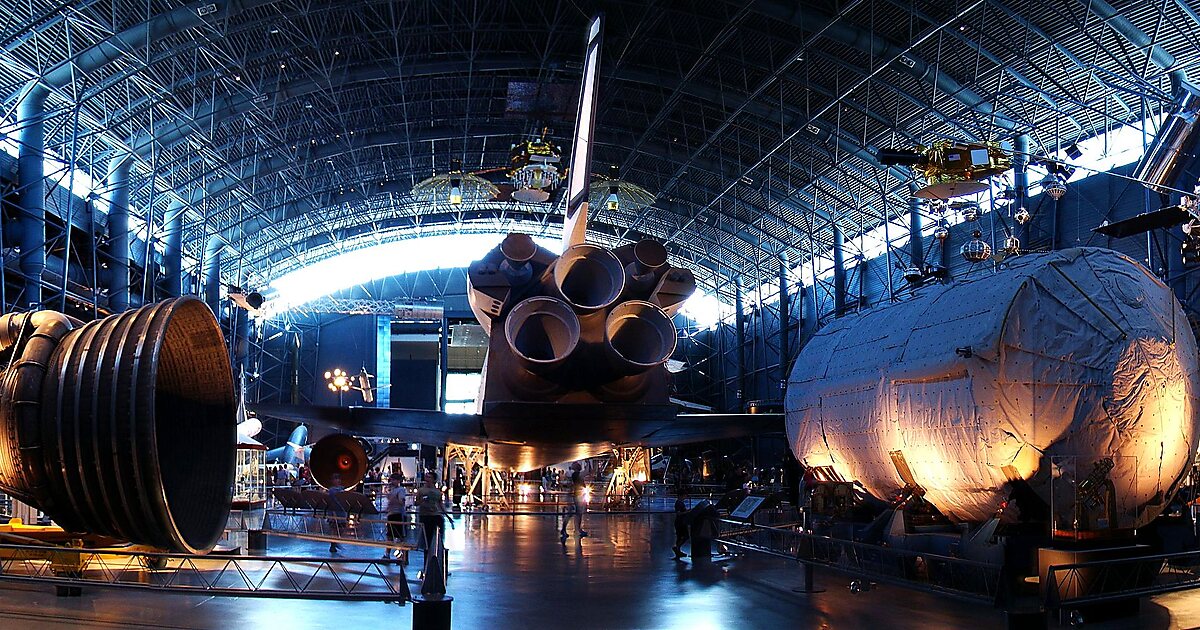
x: 335, y: 507
x: 682, y: 522
x: 460, y: 488
x: 578, y: 502
x: 431, y: 511
x: 397, y: 514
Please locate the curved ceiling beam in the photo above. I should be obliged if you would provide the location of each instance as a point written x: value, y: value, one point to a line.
x: 1134, y: 35
x: 495, y: 221
x: 314, y: 202
x: 213, y: 113
x: 320, y: 201
x: 862, y: 39
x: 259, y: 168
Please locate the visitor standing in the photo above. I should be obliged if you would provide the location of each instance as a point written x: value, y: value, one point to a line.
x: 578, y: 502
x: 431, y: 510
x: 335, y: 507
x: 397, y: 514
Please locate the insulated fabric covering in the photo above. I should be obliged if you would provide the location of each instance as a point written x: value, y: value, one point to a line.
x: 1073, y: 357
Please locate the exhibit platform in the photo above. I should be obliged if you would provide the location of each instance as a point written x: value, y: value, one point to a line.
x: 512, y: 572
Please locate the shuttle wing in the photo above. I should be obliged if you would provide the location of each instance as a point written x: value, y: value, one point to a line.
x: 533, y: 435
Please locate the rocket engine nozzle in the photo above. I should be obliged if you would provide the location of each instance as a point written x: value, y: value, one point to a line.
x: 542, y: 333
x: 338, y: 460
x: 588, y: 277
x: 639, y: 336
x: 123, y: 426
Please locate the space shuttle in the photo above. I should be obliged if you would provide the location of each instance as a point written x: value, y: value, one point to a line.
x: 578, y: 345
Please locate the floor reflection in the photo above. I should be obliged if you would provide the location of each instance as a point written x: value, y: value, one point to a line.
x: 513, y: 572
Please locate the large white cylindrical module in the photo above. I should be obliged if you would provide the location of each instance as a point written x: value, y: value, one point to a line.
x: 1072, y: 372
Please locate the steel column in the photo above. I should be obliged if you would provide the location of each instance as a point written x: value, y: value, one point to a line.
x: 1021, y: 182
x: 212, y: 273
x: 785, y: 321
x: 173, y: 249
x: 739, y: 319
x: 915, y: 244
x: 31, y: 136
x: 118, y: 232
x: 839, y: 271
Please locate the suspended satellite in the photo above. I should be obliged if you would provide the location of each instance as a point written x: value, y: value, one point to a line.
x: 952, y: 168
x: 533, y: 169
x: 615, y: 194
x: 250, y: 301
x: 454, y: 187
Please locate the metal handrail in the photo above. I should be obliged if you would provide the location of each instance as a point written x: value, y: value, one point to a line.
x: 1121, y: 578
x: 295, y: 577
x: 958, y: 577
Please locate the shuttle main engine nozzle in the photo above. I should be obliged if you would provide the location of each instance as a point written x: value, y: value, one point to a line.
x: 542, y: 333
x: 639, y: 336
x: 589, y: 278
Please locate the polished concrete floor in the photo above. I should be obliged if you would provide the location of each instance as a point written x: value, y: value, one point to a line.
x: 512, y: 572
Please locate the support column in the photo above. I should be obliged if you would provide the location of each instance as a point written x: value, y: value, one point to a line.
x: 839, y: 271
x: 118, y: 233
x: 31, y: 177
x: 785, y: 322
x: 212, y: 274
x: 916, y: 246
x: 808, y: 314
x: 443, y: 361
x: 739, y: 319
x: 1021, y: 184
x: 173, y: 249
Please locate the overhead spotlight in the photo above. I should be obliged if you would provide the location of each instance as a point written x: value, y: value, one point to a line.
x: 1054, y: 186
x: 942, y: 232
x: 913, y: 275
x: 976, y: 250
x: 1073, y: 152
x: 1022, y: 215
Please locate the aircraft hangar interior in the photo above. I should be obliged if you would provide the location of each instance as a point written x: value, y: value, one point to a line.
x: 599, y: 314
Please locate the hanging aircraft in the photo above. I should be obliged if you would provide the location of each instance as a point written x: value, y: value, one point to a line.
x: 576, y: 362
x: 295, y: 451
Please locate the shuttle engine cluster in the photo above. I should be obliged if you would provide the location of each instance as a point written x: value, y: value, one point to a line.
x: 590, y: 326
x: 1072, y: 374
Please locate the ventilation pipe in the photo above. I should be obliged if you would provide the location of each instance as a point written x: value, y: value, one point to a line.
x: 839, y: 271
x: 31, y: 137
x: 915, y: 244
x: 1021, y: 183
x: 739, y: 322
x: 173, y: 249
x: 118, y: 232
x: 31, y: 118
x: 785, y: 318
x: 1121, y: 24
x: 212, y: 273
